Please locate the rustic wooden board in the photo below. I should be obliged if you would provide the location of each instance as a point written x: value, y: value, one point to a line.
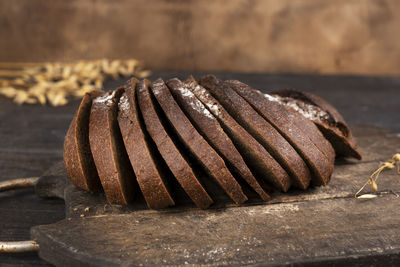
x: 321, y: 225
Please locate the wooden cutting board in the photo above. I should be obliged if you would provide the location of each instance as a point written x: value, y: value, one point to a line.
x: 321, y: 225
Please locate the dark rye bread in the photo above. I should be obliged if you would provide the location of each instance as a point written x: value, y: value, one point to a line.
x: 168, y: 150
x: 325, y: 116
x: 195, y: 143
x: 112, y: 163
x: 78, y: 159
x: 256, y: 157
x: 210, y: 129
x: 287, y: 122
x: 151, y: 181
x: 263, y: 132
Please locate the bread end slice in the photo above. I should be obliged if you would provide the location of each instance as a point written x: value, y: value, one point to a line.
x: 77, y: 155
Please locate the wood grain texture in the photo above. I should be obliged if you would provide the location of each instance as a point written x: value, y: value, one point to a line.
x: 270, y: 36
x: 264, y: 235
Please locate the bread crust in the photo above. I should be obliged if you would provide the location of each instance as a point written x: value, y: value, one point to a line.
x: 151, y: 182
x: 201, y: 150
x: 297, y: 130
x: 168, y: 150
x: 209, y: 128
x: 77, y: 155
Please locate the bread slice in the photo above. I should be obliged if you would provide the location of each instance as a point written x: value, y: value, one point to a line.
x: 325, y: 116
x: 256, y: 157
x: 112, y: 163
x: 78, y: 159
x: 210, y: 129
x: 143, y: 158
x: 264, y: 133
x: 287, y: 122
x: 195, y: 143
x: 169, y: 151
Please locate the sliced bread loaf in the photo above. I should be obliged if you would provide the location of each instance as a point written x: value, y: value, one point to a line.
x: 78, y: 159
x: 112, y: 163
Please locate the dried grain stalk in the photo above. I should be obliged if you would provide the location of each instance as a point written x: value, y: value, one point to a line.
x: 373, y: 178
x: 54, y: 83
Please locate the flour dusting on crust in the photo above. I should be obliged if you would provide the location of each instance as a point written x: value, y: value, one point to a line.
x: 193, y: 101
x: 272, y: 98
x: 307, y: 110
x: 123, y: 104
x: 202, y: 93
x: 157, y: 86
x: 106, y: 99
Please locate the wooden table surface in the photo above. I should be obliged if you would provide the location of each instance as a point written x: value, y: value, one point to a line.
x: 32, y: 136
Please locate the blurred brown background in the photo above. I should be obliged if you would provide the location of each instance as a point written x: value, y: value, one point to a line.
x: 302, y: 36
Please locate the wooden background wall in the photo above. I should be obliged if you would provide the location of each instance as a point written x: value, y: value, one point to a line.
x: 306, y: 36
